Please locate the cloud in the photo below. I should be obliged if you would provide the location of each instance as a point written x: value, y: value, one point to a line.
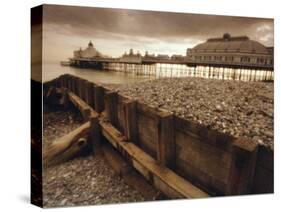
x: 117, y: 30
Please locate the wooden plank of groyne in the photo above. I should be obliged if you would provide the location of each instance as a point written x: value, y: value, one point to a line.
x: 84, y: 89
x: 203, y: 155
x: 159, y: 126
x: 99, y: 98
x: 90, y: 94
x: 68, y: 82
x: 166, y: 142
x: 76, y: 84
x: 81, y: 105
x: 110, y: 104
x: 130, y: 176
x: 264, y: 170
x: 88, y: 114
x: 150, y: 111
x: 130, y: 120
x: 95, y: 132
x: 243, y: 166
x: 121, y: 100
x: 92, y: 104
x: 163, y: 178
x: 147, y: 133
x: 87, y: 92
x: 79, y: 87
x: 202, y: 163
x: 203, y: 134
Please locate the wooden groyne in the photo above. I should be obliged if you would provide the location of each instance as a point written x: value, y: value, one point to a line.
x: 181, y: 158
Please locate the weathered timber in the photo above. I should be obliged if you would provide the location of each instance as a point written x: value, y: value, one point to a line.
x: 243, y: 166
x: 56, y: 97
x: 76, y: 85
x: 81, y: 105
x: 92, y: 93
x: 84, y: 90
x: 130, y: 120
x: 166, y: 143
x: 67, y: 146
x: 163, y: 178
x: 150, y: 111
x: 205, y: 157
x: 147, y: 128
x: 51, y: 92
x: 110, y: 103
x: 89, y: 93
x: 129, y: 175
x: 99, y: 98
x: 202, y: 133
x: 80, y: 88
x: 264, y: 170
x: 95, y: 133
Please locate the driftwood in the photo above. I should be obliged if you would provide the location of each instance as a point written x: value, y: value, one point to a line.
x: 67, y: 146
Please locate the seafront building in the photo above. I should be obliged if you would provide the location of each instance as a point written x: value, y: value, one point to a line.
x: 239, y: 51
x: 89, y: 52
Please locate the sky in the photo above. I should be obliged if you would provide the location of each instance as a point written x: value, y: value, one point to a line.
x: 114, y: 31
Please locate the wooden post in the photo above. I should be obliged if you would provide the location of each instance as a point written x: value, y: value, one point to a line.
x: 64, y: 77
x: 90, y: 93
x: 79, y: 87
x: 73, y: 84
x: 110, y: 104
x: 61, y: 81
x: 95, y: 134
x: 73, y: 79
x: 83, y: 89
x: 59, y: 84
x: 66, y: 81
x: 99, y: 98
x: 87, y: 92
x: 69, y: 81
x: 244, y: 156
x: 166, y: 143
x: 130, y: 120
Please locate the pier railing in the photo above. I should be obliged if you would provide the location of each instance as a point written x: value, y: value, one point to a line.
x: 215, y: 162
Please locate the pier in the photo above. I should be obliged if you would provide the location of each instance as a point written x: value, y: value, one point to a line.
x: 227, y: 58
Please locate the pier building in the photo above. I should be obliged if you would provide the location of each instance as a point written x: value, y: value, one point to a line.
x: 227, y: 51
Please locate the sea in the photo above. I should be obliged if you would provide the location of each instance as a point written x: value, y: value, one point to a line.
x: 53, y: 70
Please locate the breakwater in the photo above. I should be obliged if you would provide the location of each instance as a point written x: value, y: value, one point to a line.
x: 214, y: 162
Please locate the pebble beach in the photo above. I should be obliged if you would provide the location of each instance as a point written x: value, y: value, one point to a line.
x: 88, y: 180
x: 234, y: 107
